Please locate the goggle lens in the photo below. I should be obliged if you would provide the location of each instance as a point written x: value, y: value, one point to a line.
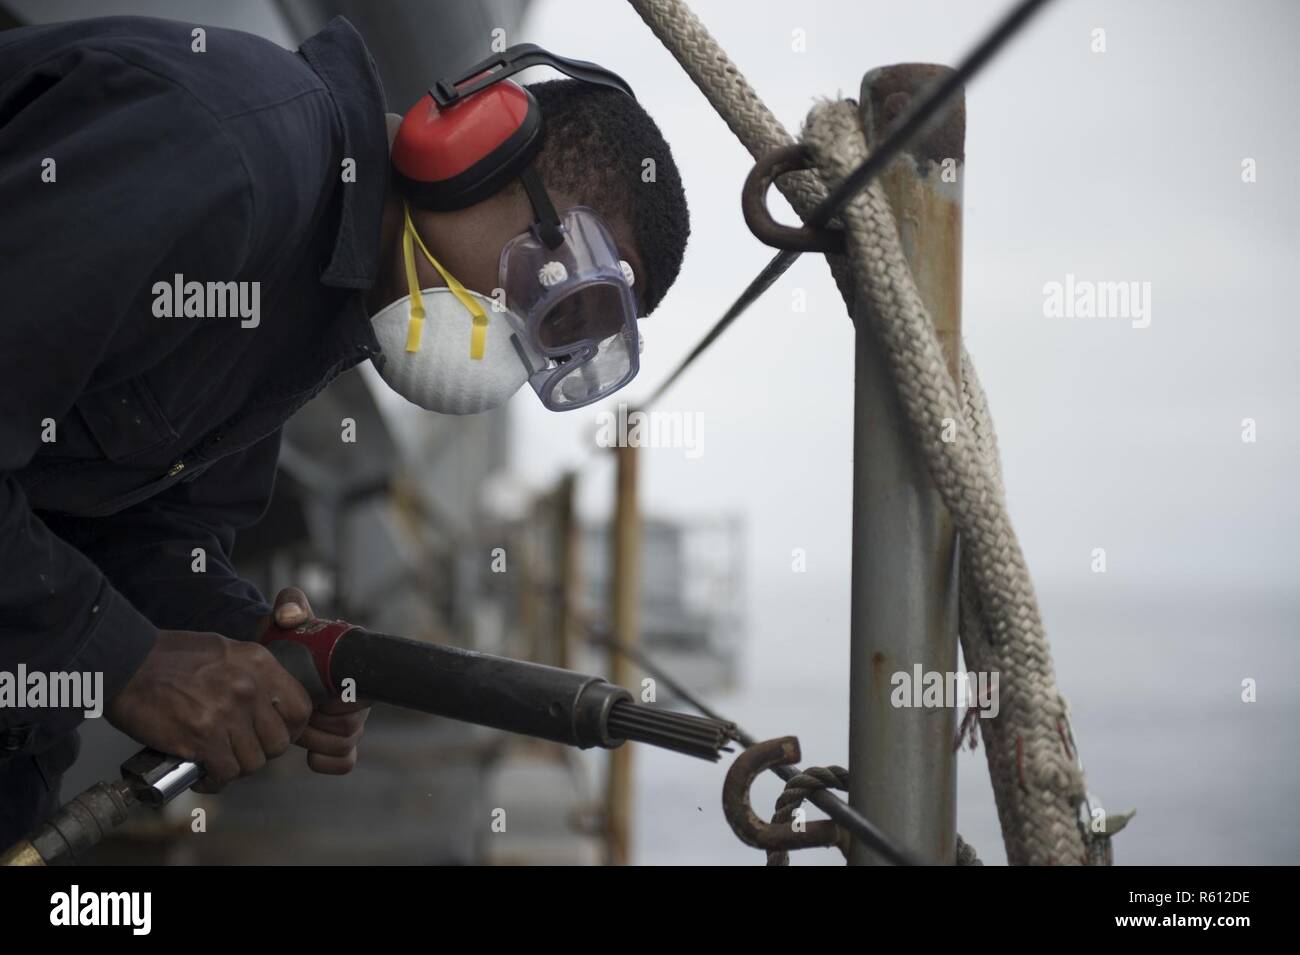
x: 613, y: 366
x: 591, y: 313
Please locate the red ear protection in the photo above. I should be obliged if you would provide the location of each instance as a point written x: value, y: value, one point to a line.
x: 470, y: 135
x: 454, y: 156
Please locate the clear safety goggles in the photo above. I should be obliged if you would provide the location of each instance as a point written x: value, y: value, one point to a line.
x: 573, y: 308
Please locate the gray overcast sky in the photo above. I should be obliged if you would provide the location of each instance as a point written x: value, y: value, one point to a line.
x: 1116, y: 166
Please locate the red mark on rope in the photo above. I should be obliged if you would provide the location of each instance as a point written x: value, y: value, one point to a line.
x: 1064, y: 739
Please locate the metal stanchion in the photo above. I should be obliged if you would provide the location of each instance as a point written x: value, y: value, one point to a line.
x: 904, y: 605
x: 624, y: 607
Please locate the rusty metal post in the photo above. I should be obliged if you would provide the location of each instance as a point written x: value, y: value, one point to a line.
x: 529, y: 605
x: 569, y: 573
x: 904, y: 606
x: 625, y: 592
x: 546, y: 530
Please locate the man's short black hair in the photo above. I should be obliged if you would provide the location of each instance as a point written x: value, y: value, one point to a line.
x: 596, y: 144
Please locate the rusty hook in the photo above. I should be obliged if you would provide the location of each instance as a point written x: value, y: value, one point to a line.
x: 746, y: 824
x: 753, y: 204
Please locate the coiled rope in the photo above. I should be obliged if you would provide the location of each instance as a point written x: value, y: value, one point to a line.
x: 1037, y: 779
x: 801, y: 787
x: 797, y: 790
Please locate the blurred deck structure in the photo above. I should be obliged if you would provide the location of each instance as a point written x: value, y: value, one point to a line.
x: 692, y: 596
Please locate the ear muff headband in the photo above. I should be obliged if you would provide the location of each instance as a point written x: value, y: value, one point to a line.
x: 520, y: 57
x: 471, y: 135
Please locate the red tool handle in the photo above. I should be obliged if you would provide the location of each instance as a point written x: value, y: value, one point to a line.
x: 310, y: 666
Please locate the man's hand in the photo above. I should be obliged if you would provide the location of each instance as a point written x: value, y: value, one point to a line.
x: 334, y: 728
x: 223, y: 703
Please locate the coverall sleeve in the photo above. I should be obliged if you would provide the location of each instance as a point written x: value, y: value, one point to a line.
x: 171, y: 555
x: 104, y: 166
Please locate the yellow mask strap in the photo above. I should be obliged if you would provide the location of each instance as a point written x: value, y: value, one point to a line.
x: 415, y: 327
x: 478, y: 336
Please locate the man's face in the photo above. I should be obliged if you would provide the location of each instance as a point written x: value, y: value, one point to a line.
x: 468, y: 244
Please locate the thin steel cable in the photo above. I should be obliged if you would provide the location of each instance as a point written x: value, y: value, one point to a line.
x: 840, y: 811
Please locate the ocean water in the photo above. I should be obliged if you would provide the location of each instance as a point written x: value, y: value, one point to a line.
x: 1154, y: 682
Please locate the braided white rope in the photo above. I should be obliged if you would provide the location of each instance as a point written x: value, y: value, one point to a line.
x: 1036, y: 778
x: 730, y: 94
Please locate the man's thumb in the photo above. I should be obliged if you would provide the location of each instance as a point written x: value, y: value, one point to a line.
x: 291, y: 607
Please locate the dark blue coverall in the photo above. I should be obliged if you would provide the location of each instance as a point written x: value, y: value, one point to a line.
x: 218, y: 166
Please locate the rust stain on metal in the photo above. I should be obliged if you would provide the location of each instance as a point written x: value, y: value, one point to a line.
x: 927, y: 208
x: 878, y: 675
x: 891, y: 91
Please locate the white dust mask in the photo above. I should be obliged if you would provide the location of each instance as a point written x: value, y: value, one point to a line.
x: 449, y: 350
